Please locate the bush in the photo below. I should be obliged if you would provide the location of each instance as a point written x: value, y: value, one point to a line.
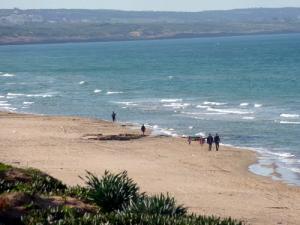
x: 159, y: 205
x: 30, y: 181
x: 60, y: 216
x: 113, y: 191
x: 67, y: 216
x: 78, y: 192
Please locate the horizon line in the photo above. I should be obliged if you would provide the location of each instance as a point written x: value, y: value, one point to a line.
x: 159, y: 11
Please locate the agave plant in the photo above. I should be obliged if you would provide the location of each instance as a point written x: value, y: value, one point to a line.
x: 112, y: 191
x: 159, y: 205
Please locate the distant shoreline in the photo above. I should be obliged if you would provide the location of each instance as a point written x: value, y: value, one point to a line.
x: 180, y: 36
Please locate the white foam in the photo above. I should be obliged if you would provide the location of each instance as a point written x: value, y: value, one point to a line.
x: 175, y: 105
x: 257, y: 105
x: 4, y: 104
x: 295, y: 170
x: 97, y: 91
x: 191, y: 127
x: 8, y: 108
x: 289, y: 115
x: 127, y: 103
x: 202, y: 106
x: 248, y: 118
x: 169, y: 100
x: 7, y: 75
x: 157, y: 131
x: 202, y: 134
x: 82, y: 82
x: 170, y: 77
x: 1, y: 96
x: 214, y: 103
x: 244, y: 104
x: 15, y: 94
x: 288, y: 122
x: 28, y: 103
x: 229, y: 111
x: 45, y: 95
x: 113, y: 92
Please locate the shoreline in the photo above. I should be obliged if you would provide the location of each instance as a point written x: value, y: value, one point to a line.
x: 208, y: 183
x: 260, y: 167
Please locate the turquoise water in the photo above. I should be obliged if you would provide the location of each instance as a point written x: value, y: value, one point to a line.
x: 245, y: 88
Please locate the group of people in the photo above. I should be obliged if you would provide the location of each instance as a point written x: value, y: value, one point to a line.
x: 114, y: 118
x: 209, y: 140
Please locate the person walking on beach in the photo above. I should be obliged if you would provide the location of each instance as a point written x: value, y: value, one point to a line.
x: 217, y: 141
x: 143, y: 129
x: 189, y: 140
x: 210, y: 141
x: 201, y: 140
x: 113, y: 116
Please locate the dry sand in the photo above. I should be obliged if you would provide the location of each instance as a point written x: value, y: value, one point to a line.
x: 207, y: 182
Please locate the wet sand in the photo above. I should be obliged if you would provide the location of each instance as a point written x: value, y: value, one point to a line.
x: 208, y: 183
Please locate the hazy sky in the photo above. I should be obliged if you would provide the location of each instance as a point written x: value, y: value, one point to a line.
x: 159, y: 5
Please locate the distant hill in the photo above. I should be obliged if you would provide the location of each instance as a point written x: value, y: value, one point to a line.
x: 66, y: 25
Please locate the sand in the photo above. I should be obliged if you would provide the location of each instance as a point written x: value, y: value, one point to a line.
x: 217, y: 183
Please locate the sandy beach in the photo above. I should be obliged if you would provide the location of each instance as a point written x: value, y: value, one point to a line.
x: 217, y: 183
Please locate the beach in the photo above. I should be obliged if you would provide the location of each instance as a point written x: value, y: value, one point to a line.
x: 209, y: 183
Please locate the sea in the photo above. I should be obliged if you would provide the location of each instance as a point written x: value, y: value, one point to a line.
x: 246, y: 89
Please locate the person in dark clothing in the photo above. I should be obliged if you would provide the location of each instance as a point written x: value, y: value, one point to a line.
x: 113, y: 116
x: 143, y: 129
x: 210, y: 141
x: 217, y: 141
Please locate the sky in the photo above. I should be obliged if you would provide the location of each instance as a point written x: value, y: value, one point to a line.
x: 156, y: 5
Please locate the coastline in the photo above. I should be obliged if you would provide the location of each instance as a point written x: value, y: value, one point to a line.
x: 217, y: 183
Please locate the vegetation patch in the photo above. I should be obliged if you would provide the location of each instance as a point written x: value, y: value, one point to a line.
x: 31, y: 197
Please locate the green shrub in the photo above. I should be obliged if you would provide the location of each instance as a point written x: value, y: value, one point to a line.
x: 42, y: 183
x: 81, y: 193
x: 60, y: 216
x: 112, y: 191
x: 4, y: 167
x: 158, y: 204
x: 36, y: 183
x: 67, y: 216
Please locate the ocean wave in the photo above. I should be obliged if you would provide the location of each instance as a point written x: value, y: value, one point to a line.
x: 285, y: 115
x: 248, y: 118
x: 82, y: 82
x: 157, y: 131
x: 97, y: 91
x: 113, y: 92
x: 202, y: 134
x: 15, y: 94
x: 244, y: 104
x: 229, y: 111
x: 7, y: 108
x: 7, y: 75
x: 170, y: 77
x: 175, y: 105
x: 28, y: 103
x: 214, y: 103
x: 288, y: 122
x: 202, y: 106
x: 4, y: 104
x: 294, y: 169
x: 1, y: 96
x: 127, y: 103
x: 170, y: 100
x: 42, y: 95
x: 257, y: 105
